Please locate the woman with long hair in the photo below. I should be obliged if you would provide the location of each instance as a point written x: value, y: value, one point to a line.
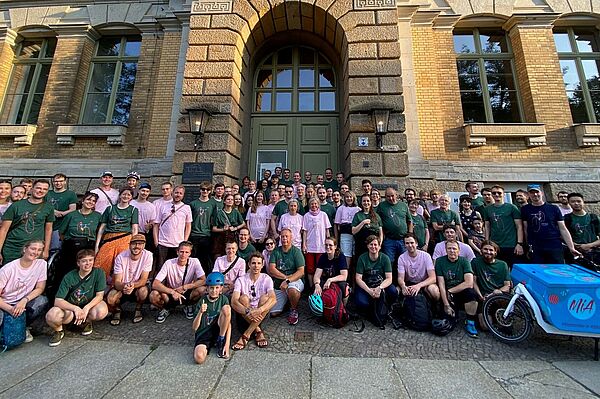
x: 365, y: 223
x: 258, y: 218
x: 238, y: 203
x: 118, y: 223
x: 343, y: 225
x: 228, y: 221
x: 331, y: 269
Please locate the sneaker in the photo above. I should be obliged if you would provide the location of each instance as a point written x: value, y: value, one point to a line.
x: 28, y: 336
x: 162, y: 316
x: 57, y: 338
x: 471, y: 329
x: 293, y: 317
x: 189, y: 312
x: 221, y: 347
x: 87, y: 329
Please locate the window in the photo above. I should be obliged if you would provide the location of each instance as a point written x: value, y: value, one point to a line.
x: 111, y: 81
x: 486, y: 77
x: 27, y: 82
x: 579, y: 54
x: 295, y: 79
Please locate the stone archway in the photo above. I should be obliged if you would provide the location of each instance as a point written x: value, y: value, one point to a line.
x: 224, y: 36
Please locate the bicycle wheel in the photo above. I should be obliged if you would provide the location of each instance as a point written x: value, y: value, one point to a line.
x: 516, y: 327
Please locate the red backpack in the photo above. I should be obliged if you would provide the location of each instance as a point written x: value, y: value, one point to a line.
x: 334, y: 311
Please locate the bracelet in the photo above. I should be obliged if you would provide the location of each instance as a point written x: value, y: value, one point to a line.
x: 520, y: 243
x: 317, y: 283
x: 26, y: 297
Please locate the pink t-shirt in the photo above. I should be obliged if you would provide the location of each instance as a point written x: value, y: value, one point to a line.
x: 171, y: 225
x: 159, y: 202
x: 463, y: 250
x: 345, y: 214
x: 147, y: 215
x: 415, y: 269
x: 294, y: 223
x: 266, y: 256
x: 262, y: 286
x: 316, y: 227
x: 222, y: 264
x: 258, y: 222
x: 16, y: 282
x: 173, y: 273
x: 102, y: 203
x: 132, y: 269
x: 4, y: 207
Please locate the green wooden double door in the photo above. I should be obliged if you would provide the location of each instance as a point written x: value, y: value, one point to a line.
x: 295, y: 142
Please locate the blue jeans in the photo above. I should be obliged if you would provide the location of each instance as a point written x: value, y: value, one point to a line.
x: 393, y: 249
x: 363, y: 300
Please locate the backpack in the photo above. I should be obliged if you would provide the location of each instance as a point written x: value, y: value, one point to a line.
x: 12, y: 331
x: 416, y: 312
x: 334, y: 311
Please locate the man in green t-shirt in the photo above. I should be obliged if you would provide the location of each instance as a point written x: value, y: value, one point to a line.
x: 286, y: 267
x: 473, y: 190
x: 491, y: 275
x: 64, y: 202
x: 455, y: 281
x: 26, y: 220
x: 504, y: 226
x: 204, y: 210
x: 79, y: 298
x: 443, y: 216
x: 583, y: 226
x: 326, y: 206
x: 280, y: 208
x: 212, y: 325
x: 396, y: 222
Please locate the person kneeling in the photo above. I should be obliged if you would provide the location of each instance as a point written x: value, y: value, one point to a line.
x: 213, y: 320
x: 79, y: 298
x: 252, y: 300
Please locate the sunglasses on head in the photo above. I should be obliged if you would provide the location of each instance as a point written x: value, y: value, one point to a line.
x: 253, y: 291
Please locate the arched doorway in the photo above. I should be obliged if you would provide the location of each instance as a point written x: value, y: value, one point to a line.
x: 294, y: 112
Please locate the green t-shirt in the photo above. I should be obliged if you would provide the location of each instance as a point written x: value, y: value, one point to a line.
x: 280, y: 208
x: 453, y: 272
x: 333, y: 184
x: 77, y: 225
x: 477, y: 202
x: 211, y: 316
x: 489, y: 276
x: 330, y: 211
x: 96, y: 282
x: 381, y: 265
x: 419, y: 228
x: 245, y: 253
x: 233, y: 218
x: 28, y: 223
x: 444, y: 217
x: 287, y: 183
x: 502, y: 224
x: 286, y: 262
x: 371, y: 229
x: 203, y: 214
x: 584, y: 229
x: 395, y: 219
x: 120, y: 220
x: 60, y: 202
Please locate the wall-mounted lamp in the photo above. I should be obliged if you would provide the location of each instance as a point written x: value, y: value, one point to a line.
x: 198, y: 119
x: 380, y: 121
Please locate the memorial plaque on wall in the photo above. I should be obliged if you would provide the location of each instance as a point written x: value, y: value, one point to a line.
x: 195, y: 173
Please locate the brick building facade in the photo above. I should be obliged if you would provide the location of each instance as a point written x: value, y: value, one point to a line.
x: 490, y: 91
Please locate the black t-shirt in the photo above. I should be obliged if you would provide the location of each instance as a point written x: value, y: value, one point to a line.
x: 331, y: 267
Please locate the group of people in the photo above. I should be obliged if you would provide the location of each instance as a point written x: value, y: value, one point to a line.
x: 249, y: 251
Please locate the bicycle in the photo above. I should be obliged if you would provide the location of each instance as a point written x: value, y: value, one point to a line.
x: 561, y: 299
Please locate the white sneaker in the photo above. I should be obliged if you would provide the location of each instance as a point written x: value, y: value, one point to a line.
x: 162, y: 316
x: 28, y: 336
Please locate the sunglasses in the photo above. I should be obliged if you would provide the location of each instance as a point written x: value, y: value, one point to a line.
x: 173, y: 209
x: 269, y: 243
x: 204, y: 189
x: 497, y: 193
x: 253, y: 291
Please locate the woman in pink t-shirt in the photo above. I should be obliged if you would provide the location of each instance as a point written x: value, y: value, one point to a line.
x: 315, y: 229
x: 269, y: 247
x: 258, y: 218
x: 343, y: 225
x: 292, y: 220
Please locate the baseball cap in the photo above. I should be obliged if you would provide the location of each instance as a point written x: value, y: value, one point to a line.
x: 145, y: 185
x: 534, y: 187
x: 106, y: 173
x: 137, y: 237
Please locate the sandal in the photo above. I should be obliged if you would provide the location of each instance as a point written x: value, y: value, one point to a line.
x: 116, y: 319
x: 137, y: 317
x: 261, y: 340
x: 241, y: 343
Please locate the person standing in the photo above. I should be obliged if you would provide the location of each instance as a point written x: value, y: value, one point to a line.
x: 64, y: 202
x: 147, y: 214
x: 172, y: 226
x: 203, y: 210
x: 396, y: 222
x: 107, y: 196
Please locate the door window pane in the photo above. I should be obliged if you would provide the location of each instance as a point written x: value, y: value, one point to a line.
x: 264, y: 79
x: 306, y: 78
x: 326, y: 78
x: 586, y: 42
x: 562, y: 42
x: 96, y: 108
x: 284, y: 78
x: 102, y: 77
x: 306, y: 101
x: 327, y: 101
x: 283, y: 101
x: 133, y: 47
x: 570, y: 75
x: 464, y: 43
x: 263, y: 102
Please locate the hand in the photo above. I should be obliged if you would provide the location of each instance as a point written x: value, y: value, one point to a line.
x: 128, y: 289
x: 367, y: 221
x: 318, y: 290
x: 449, y: 311
x: 204, y: 307
x: 575, y: 252
x: 414, y: 290
x: 46, y: 254
x: 327, y: 284
x: 283, y: 286
x: 181, y: 289
x: 304, y: 248
x: 178, y: 297
x: 376, y: 292
x: 584, y: 247
x: 232, y: 228
x: 19, y: 308
x: 405, y: 290
x: 424, y: 247
x: 518, y: 249
x: 80, y: 316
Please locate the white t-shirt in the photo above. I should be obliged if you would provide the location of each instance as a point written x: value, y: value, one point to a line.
x: 103, y: 201
x: 222, y: 264
x: 463, y: 250
x: 173, y: 273
x: 345, y: 214
x: 316, y: 231
x: 258, y: 222
x: 171, y: 225
x: 147, y: 214
x: 262, y: 286
x: 415, y: 269
x: 17, y: 282
x: 132, y: 269
x: 294, y: 223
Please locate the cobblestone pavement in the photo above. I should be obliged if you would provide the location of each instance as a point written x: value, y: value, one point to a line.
x: 309, y: 337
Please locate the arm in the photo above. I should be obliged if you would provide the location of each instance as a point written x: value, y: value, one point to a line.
x: 317, y: 280
x: 474, y: 247
x: 99, y: 235
x: 3, y: 232
x: 388, y: 280
x: 273, y: 225
x: 304, y: 248
x: 444, y: 295
x: 196, y: 284
x: 336, y: 231
x: 155, y: 232
x: 19, y: 307
x: 47, y: 239
x: 402, y: 283
x: 134, y: 229
x: 467, y: 283
x: 273, y: 272
x: 118, y: 282
x: 476, y: 288
x: 427, y: 238
x: 187, y: 231
x: 524, y: 230
x: 72, y: 207
x: 487, y: 230
x: 566, y: 236
x: 414, y: 290
x: 198, y: 318
x: 519, y: 246
x: 297, y: 275
x: 142, y: 281
x: 381, y: 234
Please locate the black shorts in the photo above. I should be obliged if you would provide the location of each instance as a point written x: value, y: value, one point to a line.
x: 208, y: 337
x: 465, y: 296
x: 174, y: 303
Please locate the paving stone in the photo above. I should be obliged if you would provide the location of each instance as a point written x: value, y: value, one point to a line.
x: 175, y: 365
x: 447, y: 379
x: 91, y: 373
x: 587, y: 373
x: 362, y: 378
x: 288, y: 376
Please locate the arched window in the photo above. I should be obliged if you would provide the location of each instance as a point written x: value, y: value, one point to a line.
x: 295, y: 79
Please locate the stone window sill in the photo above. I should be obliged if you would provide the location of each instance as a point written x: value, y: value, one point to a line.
x: 115, y: 134
x: 588, y: 134
x: 478, y: 133
x: 23, y: 134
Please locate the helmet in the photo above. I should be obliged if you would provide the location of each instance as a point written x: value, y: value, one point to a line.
x: 315, y: 303
x: 215, y: 278
x: 135, y: 175
x: 441, y: 327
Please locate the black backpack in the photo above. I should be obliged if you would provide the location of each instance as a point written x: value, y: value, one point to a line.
x: 416, y: 312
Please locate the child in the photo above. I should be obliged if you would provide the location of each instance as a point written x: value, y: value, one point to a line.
x: 212, y: 324
x: 476, y: 236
